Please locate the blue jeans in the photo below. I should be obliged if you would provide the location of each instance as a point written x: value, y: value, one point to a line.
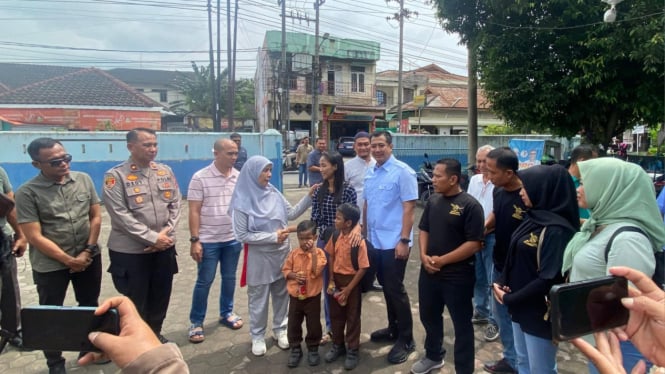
x: 302, y: 174
x: 227, y: 254
x: 534, y: 355
x: 482, y: 296
x: 502, y: 318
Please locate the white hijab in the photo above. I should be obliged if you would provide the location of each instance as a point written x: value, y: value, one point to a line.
x: 258, y: 202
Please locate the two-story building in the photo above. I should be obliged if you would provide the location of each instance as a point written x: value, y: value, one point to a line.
x: 435, y: 101
x: 346, y: 90
x: 159, y: 85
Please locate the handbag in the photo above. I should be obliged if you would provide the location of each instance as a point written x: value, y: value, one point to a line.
x: 6, y: 205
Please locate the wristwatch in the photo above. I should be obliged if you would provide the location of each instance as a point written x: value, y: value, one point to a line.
x: 93, y: 249
x: 405, y: 240
x: 194, y: 239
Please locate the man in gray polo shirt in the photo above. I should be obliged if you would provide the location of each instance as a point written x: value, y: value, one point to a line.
x: 59, y: 213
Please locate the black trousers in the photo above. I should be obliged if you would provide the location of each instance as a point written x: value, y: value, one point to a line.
x: 390, y: 273
x: 309, y: 310
x: 10, y: 297
x: 455, y: 294
x: 147, y: 280
x: 52, y: 288
x: 368, y: 279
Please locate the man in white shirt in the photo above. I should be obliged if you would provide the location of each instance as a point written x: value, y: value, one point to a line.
x: 482, y: 189
x: 354, y: 173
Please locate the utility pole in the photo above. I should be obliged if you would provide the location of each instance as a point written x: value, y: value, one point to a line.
x: 282, y: 73
x: 213, y: 92
x: 403, y: 13
x: 316, y: 73
x: 232, y: 89
x: 472, y: 90
x: 229, y: 69
x: 399, y: 73
x: 218, y: 81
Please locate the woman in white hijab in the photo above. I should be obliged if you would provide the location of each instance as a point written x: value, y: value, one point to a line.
x: 260, y: 219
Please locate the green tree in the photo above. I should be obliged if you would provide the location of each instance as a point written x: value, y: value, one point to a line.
x: 554, y: 66
x: 196, y: 89
x: 198, y: 98
x: 499, y: 130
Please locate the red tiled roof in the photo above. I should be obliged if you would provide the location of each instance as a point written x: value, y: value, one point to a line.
x: 85, y: 87
x: 431, y: 71
x: 447, y: 98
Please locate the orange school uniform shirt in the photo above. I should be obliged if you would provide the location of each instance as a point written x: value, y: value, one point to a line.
x: 299, y: 260
x: 342, y: 255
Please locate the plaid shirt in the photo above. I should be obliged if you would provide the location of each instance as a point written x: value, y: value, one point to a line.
x: 324, y: 213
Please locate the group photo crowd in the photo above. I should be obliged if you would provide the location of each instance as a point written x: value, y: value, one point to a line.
x: 488, y: 255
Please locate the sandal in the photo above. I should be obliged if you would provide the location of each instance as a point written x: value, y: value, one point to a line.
x: 196, y: 334
x: 232, y: 321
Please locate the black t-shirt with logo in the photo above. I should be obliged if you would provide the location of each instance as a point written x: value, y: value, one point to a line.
x: 509, y: 212
x: 451, y: 221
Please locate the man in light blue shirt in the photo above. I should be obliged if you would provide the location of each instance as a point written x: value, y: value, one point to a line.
x: 390, y: 194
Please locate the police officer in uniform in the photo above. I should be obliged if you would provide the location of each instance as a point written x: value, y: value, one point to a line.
x: 143, y: 201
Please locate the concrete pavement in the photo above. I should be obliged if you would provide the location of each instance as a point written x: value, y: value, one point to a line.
x: 228, y: 351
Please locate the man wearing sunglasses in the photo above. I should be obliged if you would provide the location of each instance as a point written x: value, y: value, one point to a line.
x: 59, y: 213
x: 143, y: 200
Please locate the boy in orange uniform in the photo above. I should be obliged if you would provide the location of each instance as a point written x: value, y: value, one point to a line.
x: 347, y: 265
x: 302, y: 270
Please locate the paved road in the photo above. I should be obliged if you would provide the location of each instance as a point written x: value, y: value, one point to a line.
x: 227, y: 351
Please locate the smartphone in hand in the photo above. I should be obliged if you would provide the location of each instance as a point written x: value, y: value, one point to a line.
x: 581, y: 308
x: 62, y: 328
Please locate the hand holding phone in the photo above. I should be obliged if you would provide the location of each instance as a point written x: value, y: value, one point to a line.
x: 62, y: 328
x: 646, y: 324
x: 135, y: 336
x: 581, y: 308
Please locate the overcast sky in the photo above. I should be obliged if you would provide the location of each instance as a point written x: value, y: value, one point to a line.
x: 46, y: 31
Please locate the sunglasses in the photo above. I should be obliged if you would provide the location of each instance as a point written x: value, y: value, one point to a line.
x: 58, y: 161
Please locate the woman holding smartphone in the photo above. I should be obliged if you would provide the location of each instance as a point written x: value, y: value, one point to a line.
x: 618, y: 194
x: 534, y: 262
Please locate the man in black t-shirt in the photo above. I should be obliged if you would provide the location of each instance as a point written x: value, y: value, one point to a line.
x: 451, y: 232
x: 507, y: 215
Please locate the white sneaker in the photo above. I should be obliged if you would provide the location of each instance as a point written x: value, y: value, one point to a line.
x: 258, y: 347
x: 282, y: 339
x: 425, y: 365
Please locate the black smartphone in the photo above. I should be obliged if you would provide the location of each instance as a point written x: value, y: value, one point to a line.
x: 62, y: 328
x: 581, y: 308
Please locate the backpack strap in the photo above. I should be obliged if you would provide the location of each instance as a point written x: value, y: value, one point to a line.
x: 354, y: 251
x: 659, y: 271
x: 617, y: 232
x: 541, y: 237
x: 354, y: 257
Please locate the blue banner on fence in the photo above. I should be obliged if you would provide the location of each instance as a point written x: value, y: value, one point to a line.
x: 529, y: 152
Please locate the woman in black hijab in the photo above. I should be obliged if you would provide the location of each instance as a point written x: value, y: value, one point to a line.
x: 534, y: 262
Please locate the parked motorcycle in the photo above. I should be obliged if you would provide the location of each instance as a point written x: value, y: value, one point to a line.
x: 289, y: 160
x: 424, y: 177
